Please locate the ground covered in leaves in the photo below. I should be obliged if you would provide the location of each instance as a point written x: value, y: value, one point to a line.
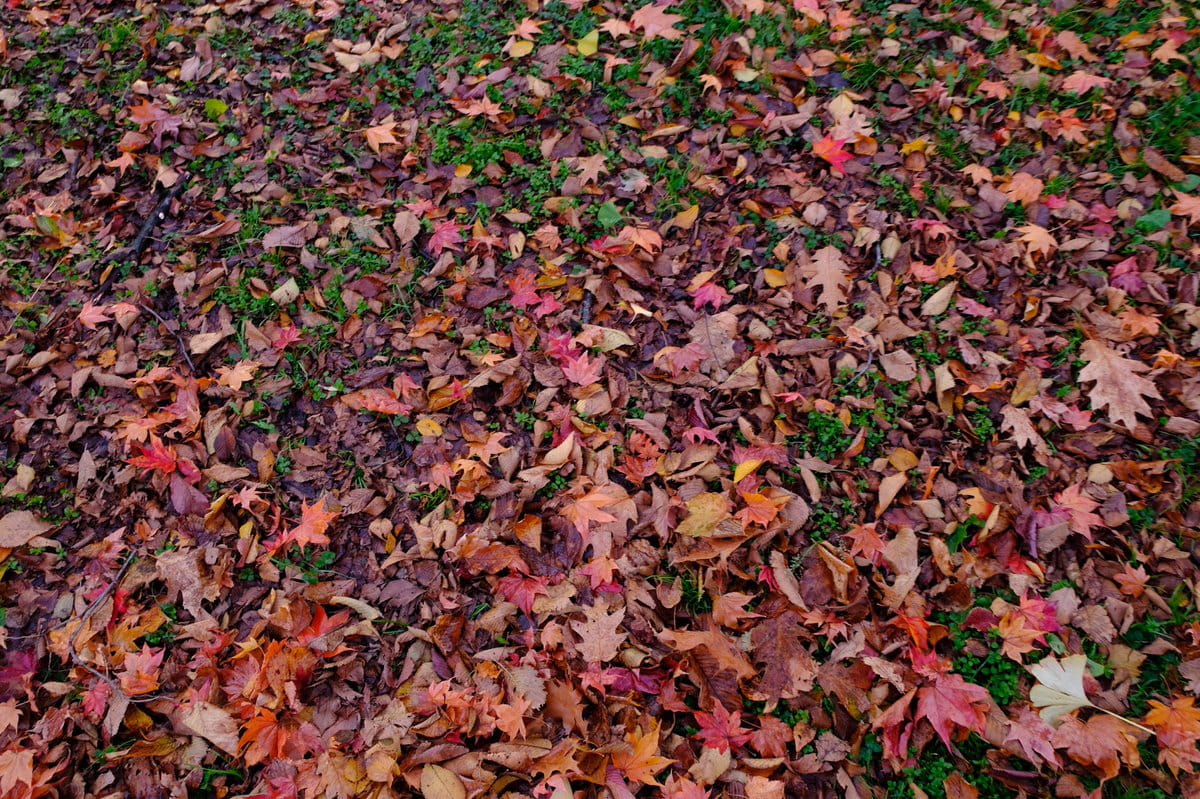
x: 539, y: 399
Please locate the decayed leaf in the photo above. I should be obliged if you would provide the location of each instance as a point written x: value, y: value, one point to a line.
x: 214, y: 724
x: 441, y: 783
x: 19, y: 527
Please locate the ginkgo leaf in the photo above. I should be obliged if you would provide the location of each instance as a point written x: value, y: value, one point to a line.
x: 1118, y: 384
x: 1059, y: 688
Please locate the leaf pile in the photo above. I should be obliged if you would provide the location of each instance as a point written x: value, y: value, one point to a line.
x: 685, y: 398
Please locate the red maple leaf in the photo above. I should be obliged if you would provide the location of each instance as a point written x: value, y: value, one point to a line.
x: 522, y: 590
x: 583, y: 371
x: 722, y: 730
x: 263, y: 738
x: 285, y: 337
x: 446, y: 236
x: 321, y: 626
x: 158, y: 457
x: 951, y: 703
x: 831, y: 150
x: 709, y: 294
x: 523, y: 287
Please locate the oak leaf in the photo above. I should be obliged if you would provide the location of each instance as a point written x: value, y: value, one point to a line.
x: 826, y: 272
x: 1119, y: 386
x: 600, y: 637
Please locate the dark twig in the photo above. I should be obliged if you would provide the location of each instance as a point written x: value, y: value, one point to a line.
x: 178, y: 338
x: 156, y: 216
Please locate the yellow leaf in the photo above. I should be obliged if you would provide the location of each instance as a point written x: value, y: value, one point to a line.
x: 745, y: 468
x: 775, y: 278
x: 705, y: 512
x: 428, y: 427
x: 441, y: 783
x: 589, y: 44
x: 522, y: 48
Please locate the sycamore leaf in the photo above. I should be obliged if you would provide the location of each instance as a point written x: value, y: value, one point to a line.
x: 314, y: 521
x: 587, y: 509
x: 1185, y: 205
x: 1038, y: 239
x: 91, y: 315
x: 446, y: 236
x: 1118, y: 385
x: 1083, y: 82
x: 1032, y: 735
x: 1024, y: 188
x: 584, y: 371
x: 376, y: 400
x: 1079, y: 509
x: 139, y: 674
x: 1060, y: 686
x: 655, y: 23
x: 1103, y: 743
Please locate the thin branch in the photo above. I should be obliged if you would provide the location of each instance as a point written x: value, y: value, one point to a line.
x: 178, y: 338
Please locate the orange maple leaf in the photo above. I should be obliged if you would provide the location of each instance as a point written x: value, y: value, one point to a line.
x: 583, y: 511
x: 140, y: 673
x: 831, y: 150
x: 264, y: 738
x: 314, y: 521
x: 641, y: 761
x: 1181, y: 716
x: 380, y: 134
